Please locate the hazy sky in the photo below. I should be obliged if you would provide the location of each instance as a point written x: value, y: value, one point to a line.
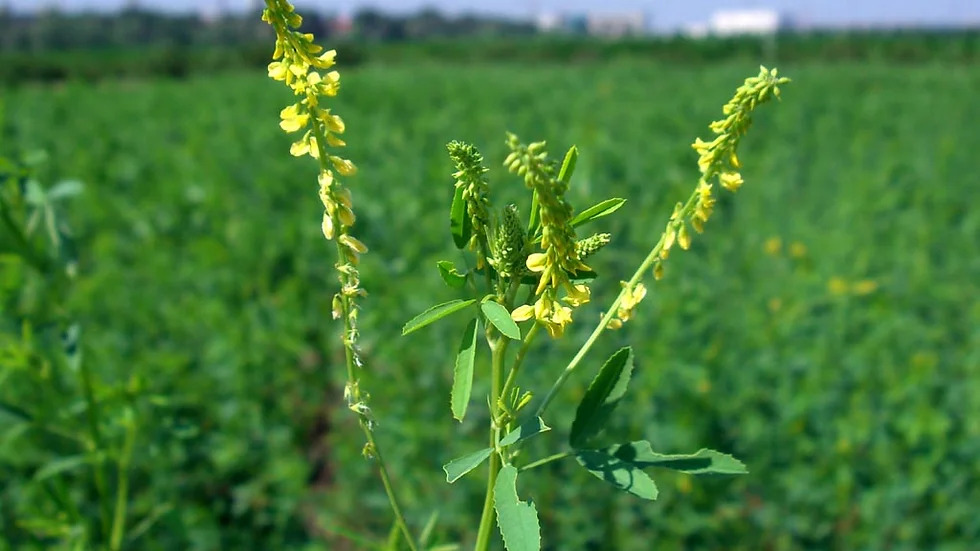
x: 664, y: 14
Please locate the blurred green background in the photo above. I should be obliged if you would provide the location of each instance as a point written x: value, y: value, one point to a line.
x: 825, y: 329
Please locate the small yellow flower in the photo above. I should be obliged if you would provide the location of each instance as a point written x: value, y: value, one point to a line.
x: 797, y: 250
x: 731, y: 181
x: 353, y: 243
x: 536, y: 262
x: 327, y: 225
x: 522, y: 313
x: 578, y: 295
x: 865, y: 287
x: 837, y: 286
x: 773, y: 246
x: 293, y: 119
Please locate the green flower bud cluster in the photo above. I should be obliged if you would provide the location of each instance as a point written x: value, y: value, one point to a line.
x: 509, y: 245
x: 587, y: 247
x: 470, y: 175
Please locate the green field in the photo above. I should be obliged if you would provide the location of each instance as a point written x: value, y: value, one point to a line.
x: 825, y: 330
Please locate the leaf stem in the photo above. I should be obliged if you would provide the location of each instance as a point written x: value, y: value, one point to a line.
x: 498, y: 349
x: 122, y: 487
x: 545, y: 461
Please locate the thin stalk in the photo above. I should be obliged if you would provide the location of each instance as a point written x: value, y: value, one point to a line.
x: 352, y: 377
x: 545, y: 461
x: 611, y: 312
x: 521, y: 353
x: 122, y: 488
x: 96, y: 444
x: 498, y: 350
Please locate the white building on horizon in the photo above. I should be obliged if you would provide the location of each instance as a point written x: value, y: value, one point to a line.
x: 747, y: 21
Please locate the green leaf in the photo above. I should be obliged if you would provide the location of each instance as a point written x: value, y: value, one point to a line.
x: 568, y: 165
x: 459, y: 223
x: 704, y: 461
x: 526, y: 430
x: 500, y: 318
x: 463, y: 371
x: 453, y: 278
x: 64, y: 464
x: 603, y: 208
x: 619, y: 472
x: 65, y: 189
x: 518, y: 520
x: 435, y: 313
x: 602, y: 396
x: 456, y: 468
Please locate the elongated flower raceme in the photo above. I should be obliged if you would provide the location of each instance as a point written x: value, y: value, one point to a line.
x: 471, y: 177
x: 560, y: 258
x: 298, y: 62
x: 718, y: 161
x: 301, y: 65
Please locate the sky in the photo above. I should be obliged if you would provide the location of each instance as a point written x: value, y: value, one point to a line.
x: 662, y: 14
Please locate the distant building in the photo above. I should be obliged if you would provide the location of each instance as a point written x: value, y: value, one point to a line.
x: 615, y: 24
x: 737, y: 22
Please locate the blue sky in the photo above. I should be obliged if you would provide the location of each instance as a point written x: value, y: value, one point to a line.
x: 664, y: 14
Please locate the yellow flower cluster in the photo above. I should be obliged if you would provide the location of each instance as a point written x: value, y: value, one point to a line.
x: 298, y: 62
x: 631, y: 297
x: 560, y: 257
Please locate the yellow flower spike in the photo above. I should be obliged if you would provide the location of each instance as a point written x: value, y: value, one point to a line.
x: 353, y: 243
x: 522, y: 313
x: 327, y: 225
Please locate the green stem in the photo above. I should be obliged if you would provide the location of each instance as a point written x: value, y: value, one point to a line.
x: 498, y: 350
x: 521, y: 353
x: 95, y: 444
x: 545, y: 461
x: 611, y: 312
x: 122, y: 488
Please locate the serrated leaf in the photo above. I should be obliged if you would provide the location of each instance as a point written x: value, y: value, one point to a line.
x: 602, y: 397
x: 459, y: 223
x: 458, y: 467
x: 621, y: 473
x: 518, y: 520
x: 500, y: 318
x: 603, y: 208
x: 453, y: 278
x: 526, y: 430
x: 703, y: 461
x: 435, y: 313
x: 463, y: 371
x: 568, y: 165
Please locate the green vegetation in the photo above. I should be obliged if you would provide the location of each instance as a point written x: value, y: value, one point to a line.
x: 829, y: 339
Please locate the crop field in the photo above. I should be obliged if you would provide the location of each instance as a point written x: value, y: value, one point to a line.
x: 825, y: 329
